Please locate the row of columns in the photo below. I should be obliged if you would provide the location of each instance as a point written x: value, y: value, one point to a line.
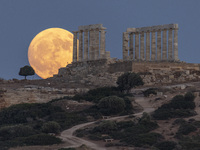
x: 93, y: 39
x: 136, y: 47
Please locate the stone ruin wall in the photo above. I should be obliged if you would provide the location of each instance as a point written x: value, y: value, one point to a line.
x: 105, y: 73
x: 156, y: 58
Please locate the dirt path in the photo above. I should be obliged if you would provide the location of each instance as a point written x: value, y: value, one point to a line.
x: 67, y: 135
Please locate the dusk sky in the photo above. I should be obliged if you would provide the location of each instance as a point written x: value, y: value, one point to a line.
x: 21, y: 20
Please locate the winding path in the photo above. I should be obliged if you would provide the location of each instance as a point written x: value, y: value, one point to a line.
x: 67, y: 135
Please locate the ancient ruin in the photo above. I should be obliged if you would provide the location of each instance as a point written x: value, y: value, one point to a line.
x: 91, y: 43
x: 147, y: 44
x: 150, y: 51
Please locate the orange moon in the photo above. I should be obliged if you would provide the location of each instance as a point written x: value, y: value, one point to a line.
x: 50, y: 50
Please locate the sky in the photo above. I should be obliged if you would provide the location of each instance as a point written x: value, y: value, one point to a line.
x: 22, y: 20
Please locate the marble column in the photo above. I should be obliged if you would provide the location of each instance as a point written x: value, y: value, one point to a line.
x: 159, y: 45
x: 131, y: 46
x: 147, y: 46
x: 137, y: 57
x: 102, y: 44
x: 91, y: 48
x: 153, y: 46
x: 176, y: 44
x: 75, y: 47
x: 170, y: 57
x: 80, y: 46
x: 96, y: 47
x: 164, y: 45
x: 125, y: 46
x: 86, y: 45
x: 142, y: 46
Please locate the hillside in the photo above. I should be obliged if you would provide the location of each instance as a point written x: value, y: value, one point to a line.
x: 80, y: 109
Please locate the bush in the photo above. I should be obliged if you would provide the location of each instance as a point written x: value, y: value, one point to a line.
x: 186, y: 128
x: 144, y: 139
x: 51, y: 127
x: 128, y: 80
x: 192, y: 143
x: 105, y: 127
x: 18, y: 114
x: 95, y: 95
x: 189, y: 96
x: 150, y: 91
x: 11, y: 132
x: 179, y: 106
x: 42, y: 139
x: 111, y: 105
x: 179, y: 121
x: 166, y: 145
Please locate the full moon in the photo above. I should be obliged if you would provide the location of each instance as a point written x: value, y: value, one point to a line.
x: 50, y: 50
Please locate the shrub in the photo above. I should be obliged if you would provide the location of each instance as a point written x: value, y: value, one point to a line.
x: 185, y: 129
x: 18, y: 114
x: 111, y: 105
x: 95, y: 137
x: 192, y: 143
x: 95, y: 95
x: 189, y: 96
x: 51, y: 127
x: 105, y: 127
x: 129, y: 80
x: 11, y: 132
x: 179, y: 106
x: 42, y: 139
x: 144, y: 139
x: 179, y: 121
x: 150, y: 91
x: 166, y: 145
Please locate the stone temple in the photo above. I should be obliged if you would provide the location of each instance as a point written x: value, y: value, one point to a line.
x: 150, y: 51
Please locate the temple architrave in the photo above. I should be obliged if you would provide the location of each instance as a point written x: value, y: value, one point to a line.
x: 154, y: 43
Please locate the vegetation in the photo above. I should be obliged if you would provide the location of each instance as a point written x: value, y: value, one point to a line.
x: 179, y: 106
x: 95, y: 95
x: 190, y: 143
x: 166, y: 145
x: 24, y: 123
x: 26, y: 71
x: 186, y: 128
x: 150, y: 91
x: 129, y: 80
x: 51, y: 127
x: 111, y: 105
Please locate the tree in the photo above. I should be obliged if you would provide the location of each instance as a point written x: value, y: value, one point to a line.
x: 111, y: 105
x: 51, y: 127
x: 129, y: 80
x: 26, y: 71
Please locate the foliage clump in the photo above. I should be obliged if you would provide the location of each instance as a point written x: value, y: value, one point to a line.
x: 166, y: 145
x: 179, y: 106
x: 26, y: 71
x: 150, y: 91
x: 129, y: 80
x: 111, y: 105
x: 51, y: 127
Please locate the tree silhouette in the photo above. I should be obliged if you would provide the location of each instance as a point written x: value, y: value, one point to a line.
x: 129, y: 80
x: 26, y: 71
